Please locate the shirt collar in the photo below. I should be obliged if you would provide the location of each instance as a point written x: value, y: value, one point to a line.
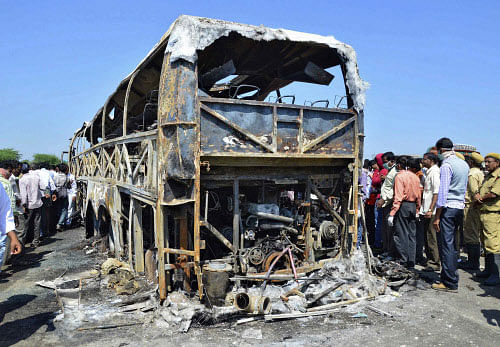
x: 496, y: 173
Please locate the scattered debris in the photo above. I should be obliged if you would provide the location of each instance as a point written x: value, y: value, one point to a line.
x: 360, y: 315
x: 379, y: 311
x: 252, y: 334
x: 110, y: 326
x: 111, y: 264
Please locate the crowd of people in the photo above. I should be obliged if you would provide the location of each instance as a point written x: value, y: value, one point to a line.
x: 426, y: 210
x: 36, y: 201
x: 417, y: 210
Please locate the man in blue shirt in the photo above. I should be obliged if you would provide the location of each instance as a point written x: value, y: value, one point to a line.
x: 450, y: 212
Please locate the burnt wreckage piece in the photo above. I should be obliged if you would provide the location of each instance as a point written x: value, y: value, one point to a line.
x: 188, y: 168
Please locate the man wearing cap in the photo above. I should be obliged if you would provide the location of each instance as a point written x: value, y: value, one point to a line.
x: 472, y: 223
x: 488, y: 199
x: 450, y: 212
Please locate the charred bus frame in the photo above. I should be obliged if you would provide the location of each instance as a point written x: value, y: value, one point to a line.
x: 173, y: 159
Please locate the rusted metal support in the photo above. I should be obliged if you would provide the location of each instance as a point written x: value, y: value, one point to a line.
x: 309, y: 253
x: 183, y: 252
x: 138, y: 237
x: 127, y: 96
x: 326, y: 135
x: 236, y: 217
x: 179, y: 251
x: 236, y: 127
x: 217, y: 234
x: 327, y: 206
x: 355, y: 183
x: 159, y: 240
x: 129, y: 232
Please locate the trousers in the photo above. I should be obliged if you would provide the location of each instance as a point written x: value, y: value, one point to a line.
x: 420, y: 239
x: 32, y: 226
x: 450, y: 219
x: 405, y: 230
x: 472, y: 225
x: 431, y: 244
x: 387, y: 232
x: 490, y: 222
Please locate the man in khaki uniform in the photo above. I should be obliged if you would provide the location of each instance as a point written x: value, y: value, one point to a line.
x: 472, y: 222
x: 489, y: 200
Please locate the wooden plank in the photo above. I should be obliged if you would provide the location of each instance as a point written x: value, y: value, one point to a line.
x: 236, y: 127
x: 328, y: 134
x: 138, y: 237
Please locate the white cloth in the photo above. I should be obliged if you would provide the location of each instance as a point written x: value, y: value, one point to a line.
x: 31, y: 190
x: 6, y: 216
x: 71, y: 179
x: 71, y: 194
x: 46, y: 180
x: 431, y: 187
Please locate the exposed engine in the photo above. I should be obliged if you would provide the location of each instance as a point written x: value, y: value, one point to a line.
x: 272, y: 235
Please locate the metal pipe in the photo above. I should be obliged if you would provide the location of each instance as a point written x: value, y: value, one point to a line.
x: 274, y: 217
x: 254, y: 304
x: 206, y: 205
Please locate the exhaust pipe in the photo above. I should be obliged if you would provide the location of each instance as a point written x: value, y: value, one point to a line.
x: 253, y: 304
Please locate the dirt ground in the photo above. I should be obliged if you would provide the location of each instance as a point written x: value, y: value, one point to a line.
x: 421, y: 317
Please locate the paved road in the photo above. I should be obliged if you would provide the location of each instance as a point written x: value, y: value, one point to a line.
x: 422, y: 317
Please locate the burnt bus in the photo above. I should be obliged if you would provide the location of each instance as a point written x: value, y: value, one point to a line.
x: 197, y: 169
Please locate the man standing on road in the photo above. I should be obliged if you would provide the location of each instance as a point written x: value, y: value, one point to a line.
x: 407, y: 198
x: 472, y: 222
x: 48, y: 199
x: 450, y: 211
x: 31, y: 188
x: 61, y: 182
x: 488, y: 199
x: 71, y: 198
x: 7, y: 227
x: 385, y: 202
x: 428, y: 210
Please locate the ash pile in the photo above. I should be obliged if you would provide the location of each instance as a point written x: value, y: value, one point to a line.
x: 113, y: 296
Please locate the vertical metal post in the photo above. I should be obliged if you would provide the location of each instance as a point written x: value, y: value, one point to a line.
x: 236, y: 218
x: 125, y: 107
x: 206, y: 205
x: 309, y: 241
x: 355, y: 178
x: 138, y: 237
x: 129, y: 231
x: 159, y: 214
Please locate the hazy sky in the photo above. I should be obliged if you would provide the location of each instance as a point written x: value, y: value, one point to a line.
x: 432, y: 65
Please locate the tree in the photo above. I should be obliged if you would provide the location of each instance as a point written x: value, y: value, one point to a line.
x: 9, y: 154
x: 45, y: 158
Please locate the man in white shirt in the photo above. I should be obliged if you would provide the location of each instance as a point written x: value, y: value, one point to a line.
x: 48, y: 199
x: 428, y: 210
x: 7, y: 226
x: 71, y: 197
x: 31, y: 188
